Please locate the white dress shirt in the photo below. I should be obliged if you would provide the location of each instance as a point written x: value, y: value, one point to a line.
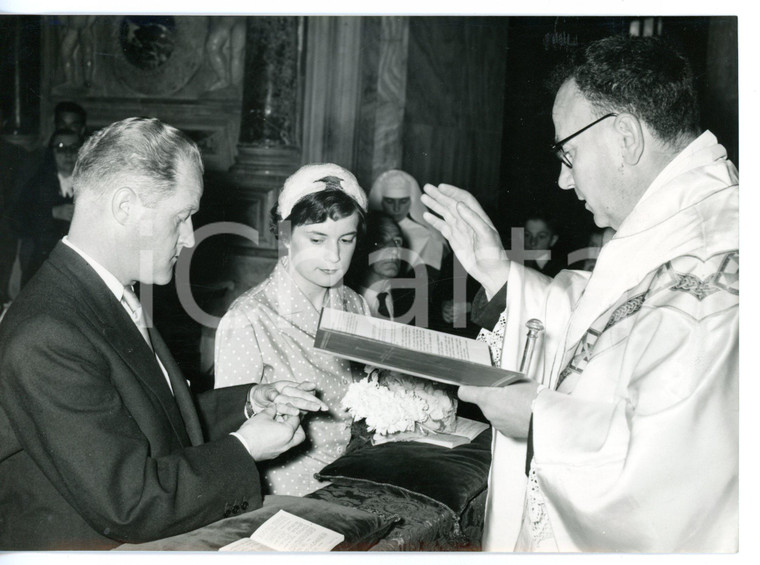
x: 116, y: 287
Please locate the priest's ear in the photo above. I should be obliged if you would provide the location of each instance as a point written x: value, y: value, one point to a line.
x: 631, y: 137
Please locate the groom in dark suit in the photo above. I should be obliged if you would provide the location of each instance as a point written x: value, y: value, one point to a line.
x: 100, y: 440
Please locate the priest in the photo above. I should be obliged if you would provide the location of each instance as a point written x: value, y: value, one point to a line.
x: 625, y: 437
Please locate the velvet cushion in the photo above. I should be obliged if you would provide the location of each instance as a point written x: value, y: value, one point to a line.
x: 361, y: 529
x: 452, y: 477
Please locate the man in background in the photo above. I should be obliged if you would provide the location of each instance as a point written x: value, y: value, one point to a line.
x: 40, y: 166
x: 541, y: 236
x: 70, y: 115
x: 42, y: 212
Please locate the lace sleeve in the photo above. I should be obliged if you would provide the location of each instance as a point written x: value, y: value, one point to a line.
x: 495, y: 339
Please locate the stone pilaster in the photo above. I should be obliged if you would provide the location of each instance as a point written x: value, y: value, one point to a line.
x: 269, y: 149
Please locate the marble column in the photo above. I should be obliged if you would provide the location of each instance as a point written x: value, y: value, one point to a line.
x: 391, y: 95
x: 333, y: 89
x: 21, y: 81
x: 381, y: 100
x: 269, y: 146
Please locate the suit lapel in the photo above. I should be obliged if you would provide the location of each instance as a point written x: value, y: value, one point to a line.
x: 121, y: 333
x: 179, y: 386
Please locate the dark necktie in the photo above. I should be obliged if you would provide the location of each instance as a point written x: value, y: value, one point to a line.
x: 382, y: 307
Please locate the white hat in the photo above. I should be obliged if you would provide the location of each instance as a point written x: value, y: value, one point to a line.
x: 315, y: 178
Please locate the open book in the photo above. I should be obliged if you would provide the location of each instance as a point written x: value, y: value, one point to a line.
x: 408, y: 349
x: 466, y: 431
x: 286, y: 532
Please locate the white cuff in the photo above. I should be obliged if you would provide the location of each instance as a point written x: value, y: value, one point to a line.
x: 242, y: 440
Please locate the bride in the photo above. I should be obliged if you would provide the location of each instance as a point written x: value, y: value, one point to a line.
x: 267, y: 334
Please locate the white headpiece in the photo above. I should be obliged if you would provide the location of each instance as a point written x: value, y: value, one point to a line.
x: 428, y: 243
x: 315, y: 178
x: 399, y: 184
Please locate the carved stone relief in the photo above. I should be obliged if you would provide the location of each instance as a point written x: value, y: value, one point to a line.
x: 156, y: 55
x: 186, y: 70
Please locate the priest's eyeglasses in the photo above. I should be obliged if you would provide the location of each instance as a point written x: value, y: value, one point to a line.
x: 559, y: 150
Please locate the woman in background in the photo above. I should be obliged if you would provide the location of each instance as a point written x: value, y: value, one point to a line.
x: 398, y: 194
x: 268, y: 332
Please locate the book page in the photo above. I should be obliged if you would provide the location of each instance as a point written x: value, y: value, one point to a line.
x: 287, y: 532
x: 466, y: 431
x: 406, y: 336
x: 470, y: 428
x: 439, y: 439
x: 245, y: 544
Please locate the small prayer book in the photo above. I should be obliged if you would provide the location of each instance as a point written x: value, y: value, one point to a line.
x: 466, y: 431
x: 286, y: 532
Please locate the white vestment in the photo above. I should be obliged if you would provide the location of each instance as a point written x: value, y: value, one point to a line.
x: 636, y: 450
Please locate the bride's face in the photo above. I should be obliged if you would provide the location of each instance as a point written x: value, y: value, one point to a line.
x: 320, y: 254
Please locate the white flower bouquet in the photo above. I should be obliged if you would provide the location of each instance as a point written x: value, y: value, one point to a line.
x: 391, y: 402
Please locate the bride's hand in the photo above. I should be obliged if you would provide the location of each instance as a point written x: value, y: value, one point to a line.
x: 288, y: 397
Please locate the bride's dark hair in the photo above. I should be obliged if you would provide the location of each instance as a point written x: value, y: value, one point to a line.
x: 316, y: 208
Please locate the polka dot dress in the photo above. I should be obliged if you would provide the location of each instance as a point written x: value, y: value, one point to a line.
x: 268, y: 335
